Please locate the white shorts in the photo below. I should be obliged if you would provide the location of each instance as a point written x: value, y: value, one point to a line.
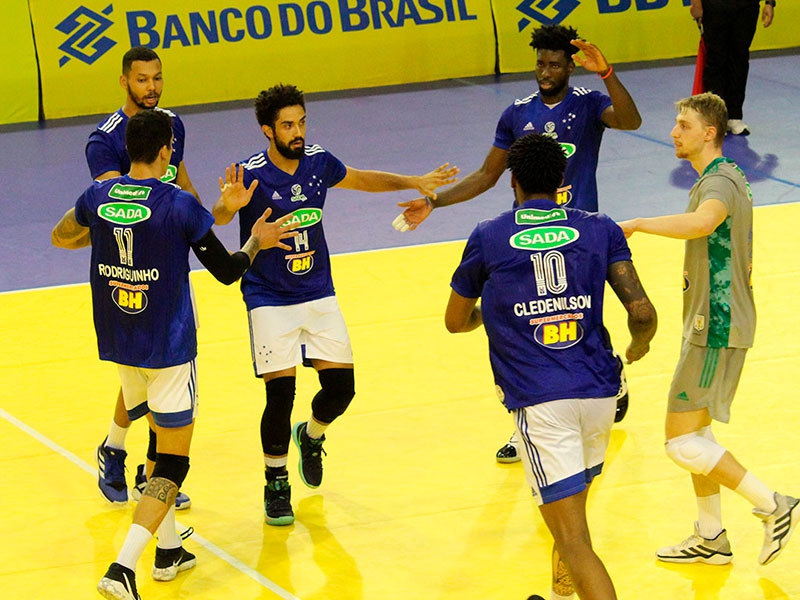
x: 169, y: 394
x: 278, y: 332
x: 563, y: 444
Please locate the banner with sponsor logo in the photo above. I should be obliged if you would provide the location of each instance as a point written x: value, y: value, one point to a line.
x: 217, y: 50
x: 19, y: 82
x: 625, y: 30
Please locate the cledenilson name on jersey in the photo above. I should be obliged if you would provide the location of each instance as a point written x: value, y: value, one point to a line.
x: 543, y: 238
x: 123, y: 213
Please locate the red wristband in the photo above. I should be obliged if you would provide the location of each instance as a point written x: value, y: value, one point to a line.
x: 608, y: 73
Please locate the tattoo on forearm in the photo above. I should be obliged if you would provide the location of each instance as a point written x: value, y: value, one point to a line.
x: 162, y: 490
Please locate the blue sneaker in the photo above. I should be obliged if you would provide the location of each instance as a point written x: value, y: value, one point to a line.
x: 182, y: 501
x: 111, y: 474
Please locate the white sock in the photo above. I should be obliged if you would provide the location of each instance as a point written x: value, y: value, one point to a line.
x: 757, y: 493
x: 135, y: 543
x: 709, y: 520
x: 275, y: 462
x: 315, y: 429
x: 116, y: 436
x: 168, y: 536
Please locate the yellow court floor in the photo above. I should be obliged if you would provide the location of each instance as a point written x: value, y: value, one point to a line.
x: 413, y: 505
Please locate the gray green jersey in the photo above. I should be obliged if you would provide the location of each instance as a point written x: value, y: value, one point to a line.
x: 718, y: 306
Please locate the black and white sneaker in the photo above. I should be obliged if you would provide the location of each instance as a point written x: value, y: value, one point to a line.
x: 778, y: 526
x: 311, y: 452
x: 622, y: 395
x: 119, y: 583
x: 171, y: 562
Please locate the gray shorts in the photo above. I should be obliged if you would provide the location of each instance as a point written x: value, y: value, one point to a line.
x: 706, y: 378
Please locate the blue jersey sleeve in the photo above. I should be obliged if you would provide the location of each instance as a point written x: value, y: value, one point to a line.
x: 601, y: 102
x: 471, y: 273
x: 179, y: 140
x: 617, y: 244
x: 196, y: 219
x: 504, y: 134
x: 102, y: 155
x: 83, y: 209
x: 335, y: 170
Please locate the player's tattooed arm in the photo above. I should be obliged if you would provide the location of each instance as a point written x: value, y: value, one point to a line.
x: 642, y: 319
x: 70, y: 234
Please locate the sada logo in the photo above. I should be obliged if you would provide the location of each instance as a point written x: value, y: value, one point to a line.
x: 123, y: 213
x: 545, y: 12
x: 305, y: 217
x: 544, y: 238
x: 85, y: 41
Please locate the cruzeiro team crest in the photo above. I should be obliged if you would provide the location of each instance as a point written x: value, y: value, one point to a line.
x: 85, y: 29
x: 545, y: 12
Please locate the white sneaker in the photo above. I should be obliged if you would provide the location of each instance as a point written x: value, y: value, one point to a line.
x: 738, y: 127
x: 696, y: 548
x: 778, y: 526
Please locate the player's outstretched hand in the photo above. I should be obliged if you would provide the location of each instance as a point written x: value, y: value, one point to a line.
x: 232, y: 191
x: 592, y: 59
x: 416, y: 211
x: 430, y: 182
x: 270, y: 233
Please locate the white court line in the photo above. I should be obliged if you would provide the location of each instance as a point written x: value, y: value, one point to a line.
x: 210, y: 546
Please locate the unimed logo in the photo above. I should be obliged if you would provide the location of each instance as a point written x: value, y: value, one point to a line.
x: 545, y: 12
x: 84, y: 29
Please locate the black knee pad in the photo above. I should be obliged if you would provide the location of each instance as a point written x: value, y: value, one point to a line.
x: 172, y: 467
x: 338, y: 389
x: 276, y: 422
x: 152, y: 451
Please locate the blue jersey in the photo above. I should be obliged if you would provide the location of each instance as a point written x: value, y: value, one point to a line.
x: 540, y: 272
x: 576, y: 124
x: 105, y: 150
x: 278, y: 277
x: 141, y: 231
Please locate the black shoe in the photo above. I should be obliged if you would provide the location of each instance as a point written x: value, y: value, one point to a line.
x: 311, y: 452
x: 622, y: 395
x: 277, y: 501
x: 119, y: 583
x: 171, y: 562
x: 535, y: 597
x: 507, y: 454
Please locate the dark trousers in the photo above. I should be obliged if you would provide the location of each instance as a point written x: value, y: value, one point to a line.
x: 729, y: 27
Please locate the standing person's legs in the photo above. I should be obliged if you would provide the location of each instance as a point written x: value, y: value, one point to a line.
x: 702, y: 389
x: 566, y: 520
x: 328, y: 348
x: 717, y: 37
x: 168, y: 398
x: 743, y: 28
x: 563, y: 445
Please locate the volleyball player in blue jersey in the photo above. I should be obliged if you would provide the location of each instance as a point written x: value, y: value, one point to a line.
x: 141, y: 231
x: 107, y: 157
x: 574, y: 116
x: 539, y: 272
x: 289, y: 295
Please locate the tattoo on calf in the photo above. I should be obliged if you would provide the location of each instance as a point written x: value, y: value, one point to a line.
x: 161, y: 489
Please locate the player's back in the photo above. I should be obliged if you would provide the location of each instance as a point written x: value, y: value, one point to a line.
x: 141, y: 233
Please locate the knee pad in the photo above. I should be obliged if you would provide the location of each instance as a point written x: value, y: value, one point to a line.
x: 695, y: 452
x: 276, y: 421
x: 172, y: 467
x: 152, y: 447
x: 338, y: 389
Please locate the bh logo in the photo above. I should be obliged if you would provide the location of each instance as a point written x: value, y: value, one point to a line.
x: 546, y: 12
x: 85, y: 41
